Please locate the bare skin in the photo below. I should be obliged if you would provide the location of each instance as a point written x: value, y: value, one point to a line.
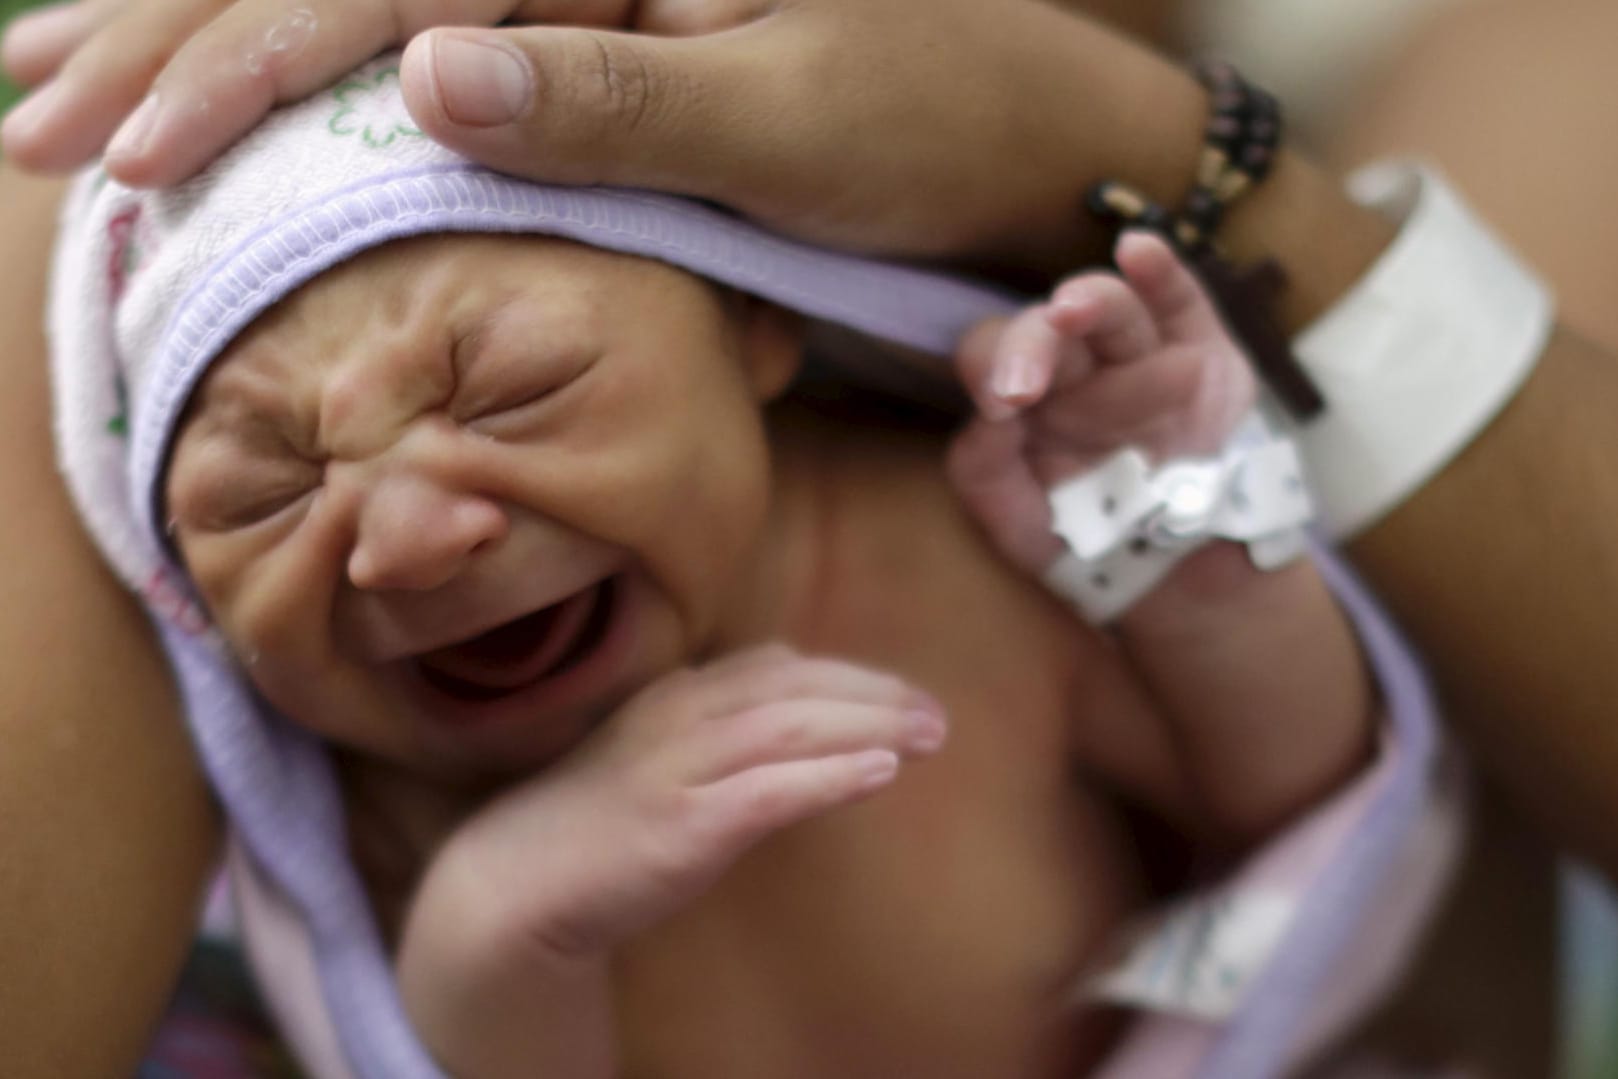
x: 96, y: 761
x: 1514, y: 101
x: 837, y: 946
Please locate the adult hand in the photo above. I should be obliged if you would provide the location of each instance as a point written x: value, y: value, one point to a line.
x: 910, y: 127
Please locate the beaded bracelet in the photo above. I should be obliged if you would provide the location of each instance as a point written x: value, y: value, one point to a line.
x: 1239, y: 146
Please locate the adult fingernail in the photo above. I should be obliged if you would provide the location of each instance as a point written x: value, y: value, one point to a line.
x: 135, y: 132
x: 22, y: 121
x: 479, y: 84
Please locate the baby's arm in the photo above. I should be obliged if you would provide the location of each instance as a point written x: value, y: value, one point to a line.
x: 503, y: 962
x: 1257, y: 672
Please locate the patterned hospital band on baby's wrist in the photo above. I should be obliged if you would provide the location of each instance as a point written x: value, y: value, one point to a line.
x: 1127, y: 524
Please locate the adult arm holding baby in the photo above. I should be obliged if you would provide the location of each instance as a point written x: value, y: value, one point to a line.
x: 105, y: 818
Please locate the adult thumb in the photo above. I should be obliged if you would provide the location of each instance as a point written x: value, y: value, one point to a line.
x: 576, y: 105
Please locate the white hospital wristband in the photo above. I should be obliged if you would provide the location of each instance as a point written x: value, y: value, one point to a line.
x: 1420, y: 355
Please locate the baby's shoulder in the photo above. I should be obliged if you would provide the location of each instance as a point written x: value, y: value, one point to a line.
x: 908, y: 581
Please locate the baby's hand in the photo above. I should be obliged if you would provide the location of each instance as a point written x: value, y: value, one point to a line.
x: 1110, y: 361
x: 687, y: 776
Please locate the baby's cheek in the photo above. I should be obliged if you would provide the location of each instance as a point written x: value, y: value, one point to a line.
x: 713, y: 513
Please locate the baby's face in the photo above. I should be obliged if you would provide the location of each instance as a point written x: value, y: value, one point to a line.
x: 452, y: 501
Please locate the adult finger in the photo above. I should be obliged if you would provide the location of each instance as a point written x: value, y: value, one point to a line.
x: 36, y: 42
x: 67, y: 121
x: 701, y: 115
x: 257, y: 55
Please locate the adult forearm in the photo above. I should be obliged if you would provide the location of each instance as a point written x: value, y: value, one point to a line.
x: 106, y: 835
x: 1505, y: 569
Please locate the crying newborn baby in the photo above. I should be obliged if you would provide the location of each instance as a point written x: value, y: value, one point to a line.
x: 683, y: 723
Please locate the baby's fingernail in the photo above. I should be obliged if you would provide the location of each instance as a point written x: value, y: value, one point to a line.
x: 1015, y: 381
x: 877, y: 767
x: 995, y: 410
x: 136, y: 131
x: 1065, y: 312
x: 924, y: 730
x: 479, y: 84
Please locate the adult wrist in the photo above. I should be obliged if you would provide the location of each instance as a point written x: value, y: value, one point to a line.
x: 1301, y: 218
x: 1421, y: 355
x: 1109, y: 107
x: 1148, y: 132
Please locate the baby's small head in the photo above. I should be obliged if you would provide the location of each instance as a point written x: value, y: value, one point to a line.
x: 453, y: 498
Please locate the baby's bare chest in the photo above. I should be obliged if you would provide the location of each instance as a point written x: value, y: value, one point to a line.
x: 936, y: 930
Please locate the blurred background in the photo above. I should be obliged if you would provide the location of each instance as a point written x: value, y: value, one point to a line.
x: 8, y: 92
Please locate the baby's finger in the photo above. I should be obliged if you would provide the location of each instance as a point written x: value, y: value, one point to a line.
x: 738, y: 811
x: 974, y: 359
x: 989, y: 468
x: 1027, y: 358
x: 1168, y: 288
x: 1125, y: 405
x: 773, y: 675
x: 803, y: 730
x: 1103, y: 309
x: 36, y: 42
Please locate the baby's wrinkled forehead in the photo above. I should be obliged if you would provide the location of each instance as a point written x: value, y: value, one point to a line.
x: 406, y: 321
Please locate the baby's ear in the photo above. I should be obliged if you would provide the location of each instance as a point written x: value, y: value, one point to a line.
x: 771, y: 346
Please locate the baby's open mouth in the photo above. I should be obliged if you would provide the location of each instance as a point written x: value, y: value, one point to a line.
x: 524, y: 651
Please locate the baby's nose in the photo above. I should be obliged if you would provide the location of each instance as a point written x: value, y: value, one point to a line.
x: 414, y: 533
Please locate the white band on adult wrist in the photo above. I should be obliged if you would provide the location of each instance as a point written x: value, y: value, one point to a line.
x: 1420, y: 355
x: 1127, y: 524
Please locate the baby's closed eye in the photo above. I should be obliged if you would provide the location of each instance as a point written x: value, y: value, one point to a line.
x: 509, y: 394
x: 232, y: 493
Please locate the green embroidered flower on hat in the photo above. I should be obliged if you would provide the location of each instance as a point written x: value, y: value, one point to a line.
x: 365, y: 108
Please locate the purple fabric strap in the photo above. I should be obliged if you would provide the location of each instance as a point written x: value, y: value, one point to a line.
x: 1257, y: 1041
